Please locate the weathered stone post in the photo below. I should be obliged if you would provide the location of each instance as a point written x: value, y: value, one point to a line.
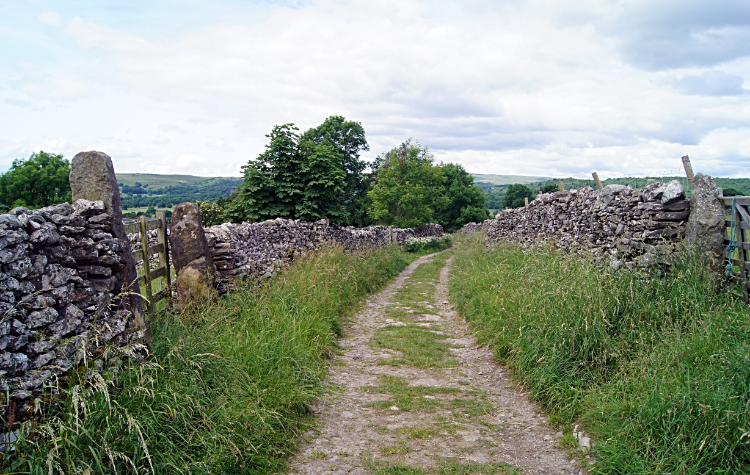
x: 706, y: 226
x: 196, y: 274
x: 92, y: 178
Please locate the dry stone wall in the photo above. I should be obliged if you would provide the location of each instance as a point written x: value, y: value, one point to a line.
x: 472, y: 228
x: 61, y: 270
x: 260, y: 249
x: 625, y: 223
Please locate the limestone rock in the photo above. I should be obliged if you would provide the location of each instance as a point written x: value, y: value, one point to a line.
x: 191, y: 255
x: 706, y: 226
x: 673, y: 191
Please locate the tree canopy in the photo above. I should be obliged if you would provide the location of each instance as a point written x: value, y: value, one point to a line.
x: 408, y: 188
x: 347, y: 138
x: 38, y: 181
x: 293, y: 178
x: 465, y: 200
x: 514, y: 197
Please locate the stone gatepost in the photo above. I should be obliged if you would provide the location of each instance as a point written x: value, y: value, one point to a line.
x: 706, y: 226
x: 196, y: 274
x: 92, y: 178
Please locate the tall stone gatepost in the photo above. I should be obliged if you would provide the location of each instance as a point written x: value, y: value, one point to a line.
x: 706, y: 226
x: 196, y: 273
x: 92, y: 178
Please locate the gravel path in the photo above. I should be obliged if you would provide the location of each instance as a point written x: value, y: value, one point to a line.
x: 468, y: 413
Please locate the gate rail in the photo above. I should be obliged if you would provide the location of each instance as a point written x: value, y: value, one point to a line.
x: 740, y: 258
x: 163, y: 270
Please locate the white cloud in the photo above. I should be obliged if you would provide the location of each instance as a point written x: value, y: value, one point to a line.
x: 50, y: 18
x: 172, y: 128
x: 58, y: 88
x: 218, y: 144
x: 530, y: 87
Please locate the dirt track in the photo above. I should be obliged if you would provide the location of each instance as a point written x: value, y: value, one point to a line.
x: 464, y: 413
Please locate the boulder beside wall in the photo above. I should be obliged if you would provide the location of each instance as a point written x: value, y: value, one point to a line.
x: 196, y: 273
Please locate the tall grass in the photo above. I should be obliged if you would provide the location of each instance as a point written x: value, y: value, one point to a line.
x: 227, y: 387
x: 656, y: 368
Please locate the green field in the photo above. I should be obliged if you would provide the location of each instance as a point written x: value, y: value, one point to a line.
x: 153, y: 180
x: 508, y: 179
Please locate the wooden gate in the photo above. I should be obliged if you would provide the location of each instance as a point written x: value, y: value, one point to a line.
x: 149, y: 276
x: 738, y: 226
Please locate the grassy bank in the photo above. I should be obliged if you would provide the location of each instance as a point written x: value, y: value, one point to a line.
x: 656, y: 369
x: 227, y: 387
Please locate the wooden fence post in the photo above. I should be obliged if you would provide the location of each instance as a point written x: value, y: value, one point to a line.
x: 526, y: 200
x: 146, y: 264
x: 688, y: 169
x: 597, y: 180
x: 164, y: 252
x: 560, y: 185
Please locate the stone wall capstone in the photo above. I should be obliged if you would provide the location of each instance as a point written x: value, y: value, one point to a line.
x: 624, y: 223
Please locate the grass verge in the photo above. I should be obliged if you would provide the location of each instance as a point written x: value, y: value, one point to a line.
x: 226, y: 388
x: 656, y: 368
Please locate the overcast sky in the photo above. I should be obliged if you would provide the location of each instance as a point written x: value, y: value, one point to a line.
x: 535, y: 87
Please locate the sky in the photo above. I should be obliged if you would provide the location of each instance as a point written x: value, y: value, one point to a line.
x: 537, y: 87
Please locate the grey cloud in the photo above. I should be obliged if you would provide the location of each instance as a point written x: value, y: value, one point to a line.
x: 172, y: 128
x: 711, y: 83
x: 672, y: 34
x: 669, y: 34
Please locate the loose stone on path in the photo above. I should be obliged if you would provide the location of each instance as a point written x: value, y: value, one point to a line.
x: 464, y: 411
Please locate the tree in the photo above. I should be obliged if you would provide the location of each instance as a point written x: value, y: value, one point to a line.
x: 514, y: 197
x: 292, y: 179
x: 41, y: 180
x: 347, y: 138
x: 465, y: 200
x: 211, y: 213
x: 408, y: 187
x: 732, y: 192
x: 549, y: 187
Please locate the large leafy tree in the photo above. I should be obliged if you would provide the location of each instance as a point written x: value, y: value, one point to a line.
x: 408, y: 187
x: 465, y: 201
x: 41, y: 180
x: 514, y: 197
x: 348, y: 139
x: 292, y: 179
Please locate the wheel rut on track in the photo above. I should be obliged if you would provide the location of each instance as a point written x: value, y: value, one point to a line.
x: 412, y: 393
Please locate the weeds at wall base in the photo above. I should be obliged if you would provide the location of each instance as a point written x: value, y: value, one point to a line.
x: 227, y: 387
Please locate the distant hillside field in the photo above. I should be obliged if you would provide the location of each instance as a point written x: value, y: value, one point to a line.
x: 141, y: 191
x: 508, y: 179
x: 151, y: 180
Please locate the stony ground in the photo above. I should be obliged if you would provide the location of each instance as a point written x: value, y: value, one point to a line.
x: 413, y: 394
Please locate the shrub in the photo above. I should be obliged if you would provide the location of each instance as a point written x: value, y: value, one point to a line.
x: 428, y: 243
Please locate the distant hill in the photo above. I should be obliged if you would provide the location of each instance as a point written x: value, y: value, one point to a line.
x: 153, y: 181
x: 508, y: 179
x: 141, y: 191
